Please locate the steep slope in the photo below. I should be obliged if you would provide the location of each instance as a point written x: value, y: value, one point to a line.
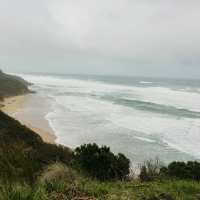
x: 12, y: 85
x: 23, y: 153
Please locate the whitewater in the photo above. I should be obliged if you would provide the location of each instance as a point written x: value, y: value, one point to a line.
x: 141, y: 117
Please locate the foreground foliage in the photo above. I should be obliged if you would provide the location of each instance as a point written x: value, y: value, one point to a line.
x: 101, y: 163
x: 23, y: 154
x: 182, y: 170
x: 33, y: 170
x: 85, y: 189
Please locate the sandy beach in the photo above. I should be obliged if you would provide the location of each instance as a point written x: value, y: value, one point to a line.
x: 12, y: 104
x: 13, y: 107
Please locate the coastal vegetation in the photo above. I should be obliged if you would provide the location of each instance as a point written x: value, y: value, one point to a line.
x: 31, y: 169
x: 100, y: 163
x: 23, y: 153
x: 12, y: 85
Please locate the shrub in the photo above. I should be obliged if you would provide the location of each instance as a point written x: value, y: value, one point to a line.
x: 16, y: 164
x: 56, y: 172
x: 144, y: 176
x: 150, y: 170
x: 23, y: 154
x: 100, y: 162
x: 182, y: 170
x: 177, y: 169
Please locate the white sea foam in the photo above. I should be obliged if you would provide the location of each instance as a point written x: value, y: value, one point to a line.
x: 159, y: 95
x: 145, y: 139
x: 80, y: 113
x: 145, y: 82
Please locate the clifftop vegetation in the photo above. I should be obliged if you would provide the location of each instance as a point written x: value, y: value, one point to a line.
x: 31, y: 169
x: 12, y: 85
x: 23, y: 153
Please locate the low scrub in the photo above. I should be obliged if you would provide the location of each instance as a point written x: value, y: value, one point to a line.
x: 101, y: 163
x: 23, y: 154
x: 183, y: 170
x: 12, y: 85
x: 150, y: 170
x: 57, y: 172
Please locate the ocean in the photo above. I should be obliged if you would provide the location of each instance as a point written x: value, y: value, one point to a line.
x: 144, y: 118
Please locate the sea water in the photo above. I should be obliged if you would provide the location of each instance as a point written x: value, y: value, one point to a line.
x: 143, y: 118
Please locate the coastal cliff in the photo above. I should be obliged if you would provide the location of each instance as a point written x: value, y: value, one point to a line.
x: 11, y: 85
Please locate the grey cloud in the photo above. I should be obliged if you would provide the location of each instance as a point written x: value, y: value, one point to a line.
x: 134, y: 37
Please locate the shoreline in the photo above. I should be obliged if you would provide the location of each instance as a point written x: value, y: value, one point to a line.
x: 13, y: 105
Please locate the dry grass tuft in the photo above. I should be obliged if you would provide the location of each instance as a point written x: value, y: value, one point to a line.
x: 57, y: 172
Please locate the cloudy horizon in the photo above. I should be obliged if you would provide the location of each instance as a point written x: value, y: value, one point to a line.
x: 114, y: 37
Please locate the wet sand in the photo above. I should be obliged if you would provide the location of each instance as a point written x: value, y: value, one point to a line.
x: 17, y: 107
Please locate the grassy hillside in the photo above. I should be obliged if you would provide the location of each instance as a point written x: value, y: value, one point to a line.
x: 33, y: 170
x: 12, y: 85
x: 23, y: 153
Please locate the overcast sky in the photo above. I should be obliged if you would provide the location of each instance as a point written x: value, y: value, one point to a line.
x: 123, y: 37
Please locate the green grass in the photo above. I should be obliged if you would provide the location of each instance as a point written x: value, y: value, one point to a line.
x: 180, y: 190
x: 23, y: 154
x: 177, y: 189
x: 22, y: 192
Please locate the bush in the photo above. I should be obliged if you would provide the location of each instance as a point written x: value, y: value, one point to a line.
x: 57, y: 172
x: 100, y: 162
x: 150, y: 170
x: 144, y: 176
x: 23, y: 154
x: 182, y: 170
x: 16, y: 164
